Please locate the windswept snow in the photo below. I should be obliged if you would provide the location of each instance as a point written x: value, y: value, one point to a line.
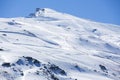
x: 49, y: 45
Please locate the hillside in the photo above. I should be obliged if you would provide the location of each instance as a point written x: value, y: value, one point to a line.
x: 49, y: 45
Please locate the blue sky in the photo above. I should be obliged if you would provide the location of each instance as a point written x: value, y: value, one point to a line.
x: 107, y: 11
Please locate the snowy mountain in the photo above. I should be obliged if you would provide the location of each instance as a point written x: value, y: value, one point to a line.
x: 49, y: 45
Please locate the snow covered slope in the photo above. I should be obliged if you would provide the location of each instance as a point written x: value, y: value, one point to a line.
x: 48, y: 45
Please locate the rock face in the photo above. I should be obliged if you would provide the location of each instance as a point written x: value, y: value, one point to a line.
x: 49, y: 45
x: 39, y: 12
x: 25, y: 63
x: 42, y: 12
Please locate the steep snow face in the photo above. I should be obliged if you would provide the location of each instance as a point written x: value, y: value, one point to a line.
x: 49, y: 45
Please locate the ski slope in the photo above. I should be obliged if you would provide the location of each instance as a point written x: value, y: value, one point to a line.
x: 49, y: 45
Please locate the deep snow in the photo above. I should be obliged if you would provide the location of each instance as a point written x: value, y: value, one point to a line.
x: 49, y: 45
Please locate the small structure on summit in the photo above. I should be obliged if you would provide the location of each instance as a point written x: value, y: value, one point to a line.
x: 38, y: 13
x: 45, y: 12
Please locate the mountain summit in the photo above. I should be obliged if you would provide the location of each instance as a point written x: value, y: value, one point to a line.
x: 43, y: 12
x: 49, y: 45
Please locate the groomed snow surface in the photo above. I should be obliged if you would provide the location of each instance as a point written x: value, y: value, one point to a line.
x: 49, y: 45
